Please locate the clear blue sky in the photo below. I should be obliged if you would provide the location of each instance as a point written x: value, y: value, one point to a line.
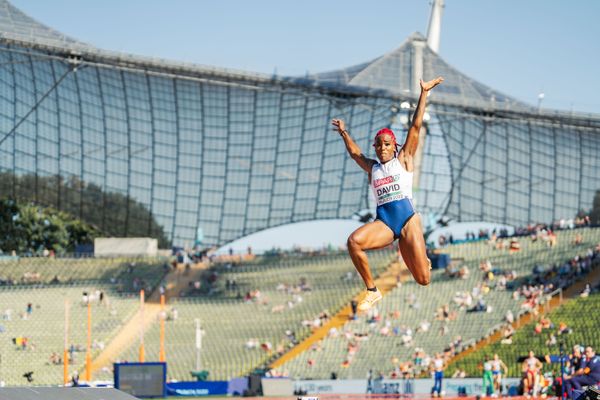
x: 515, y: 46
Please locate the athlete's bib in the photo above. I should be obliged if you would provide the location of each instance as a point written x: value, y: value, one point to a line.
x: 391, y: 182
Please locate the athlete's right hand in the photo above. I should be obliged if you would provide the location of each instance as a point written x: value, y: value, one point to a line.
x: 338, y: 125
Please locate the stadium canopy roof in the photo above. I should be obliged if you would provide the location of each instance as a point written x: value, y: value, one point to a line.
x: 17, y: 25
x: 391, y: 75
x: 382, y: 73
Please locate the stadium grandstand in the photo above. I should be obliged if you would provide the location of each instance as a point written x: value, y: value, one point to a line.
x: 192, y: 155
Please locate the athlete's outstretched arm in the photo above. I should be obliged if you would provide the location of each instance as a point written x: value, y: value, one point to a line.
x: 412, y: 139
x: 353, y: 149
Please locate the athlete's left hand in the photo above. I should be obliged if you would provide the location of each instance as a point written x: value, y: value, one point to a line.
x: 427, y: 86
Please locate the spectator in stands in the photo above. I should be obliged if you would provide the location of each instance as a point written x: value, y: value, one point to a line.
x: 501, y: 283
x: 252, y: 343
x: 514, y: 245
x: 457, y: 342
x: 174, y: 314
x: 418, y: 357
x: 459, y: 373
x: 492, y: 240
x: 563, y: 329
x: 55, y: 359
x: 546, y: 323
x: 479, y: 307
x: 586, y: 292
x: 98, y: 344
x: 443, y: 313
x: 463, y: 272
x: 266, y: 347
x: 485, y: 266
x: 509, y: 317
x: 551, y: 340
x: 588, y: 375
x: 444, y: 329
x: 423, y: 326
x: 353, y: 305
x: 441, y: 240
x: 552, y: 239
x: 452, y: 270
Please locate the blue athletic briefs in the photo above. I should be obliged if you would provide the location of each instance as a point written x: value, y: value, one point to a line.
x: 396, y: 214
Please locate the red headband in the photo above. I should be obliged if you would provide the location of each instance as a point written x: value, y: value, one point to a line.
x: 386, y: 131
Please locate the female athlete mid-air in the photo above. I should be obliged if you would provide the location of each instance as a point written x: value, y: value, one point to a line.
x: 391, y: 180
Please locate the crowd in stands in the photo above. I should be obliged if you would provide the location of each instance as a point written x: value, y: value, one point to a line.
x: 501, y: 237
x: 122, y: 275
x: 563, y: 275
x: 528, y: 291
x: 542, y: 282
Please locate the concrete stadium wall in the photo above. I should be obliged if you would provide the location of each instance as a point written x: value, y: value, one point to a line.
x: 107, y: 247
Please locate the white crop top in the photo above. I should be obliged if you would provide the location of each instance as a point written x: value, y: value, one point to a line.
x: 496, y: 366
x: 391, y: 182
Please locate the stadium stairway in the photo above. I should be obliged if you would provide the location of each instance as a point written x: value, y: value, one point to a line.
x: 386, y: 282
x: 174, y: 282
x: 573, y: 291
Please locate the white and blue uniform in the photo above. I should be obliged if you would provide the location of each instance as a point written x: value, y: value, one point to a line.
x: 496, y: 367
x: 392, y: 187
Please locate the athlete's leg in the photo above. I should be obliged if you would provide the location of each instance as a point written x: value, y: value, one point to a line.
x: 412, y: 248
x: 529, y: 380
x: 488, y: 384
x: 373, y: 235
x: 536, y: 384
x: 497, y: 383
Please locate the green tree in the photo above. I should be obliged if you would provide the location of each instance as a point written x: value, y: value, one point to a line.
x: 12, y: 235
x: 26, y: 227
x: 114, y: 214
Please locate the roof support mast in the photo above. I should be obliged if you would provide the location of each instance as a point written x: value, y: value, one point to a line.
x: 435, y: 25
x: 433, y: 42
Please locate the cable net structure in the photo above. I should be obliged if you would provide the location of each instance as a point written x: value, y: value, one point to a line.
x: 208, y: 152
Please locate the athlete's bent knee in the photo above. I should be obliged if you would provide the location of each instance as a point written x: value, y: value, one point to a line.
x: 352, y: 243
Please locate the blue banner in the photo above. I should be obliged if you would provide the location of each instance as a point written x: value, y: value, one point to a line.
x: 206, y: 388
